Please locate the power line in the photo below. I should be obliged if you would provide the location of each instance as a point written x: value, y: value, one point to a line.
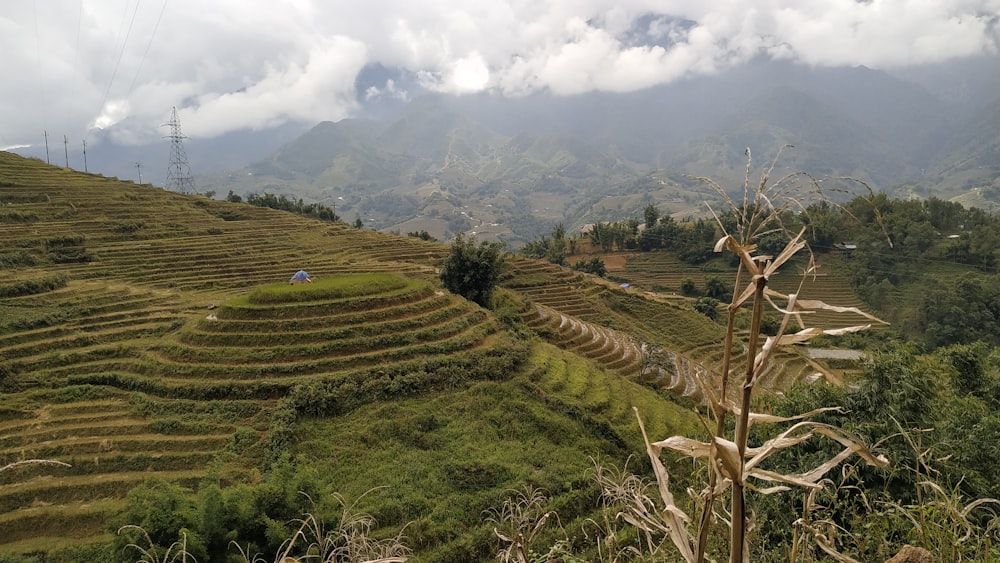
x: 146, y: 52
x: 41, y: 77
x: 121, y: 52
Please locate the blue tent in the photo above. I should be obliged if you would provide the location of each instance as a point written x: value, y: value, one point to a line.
x: 301, y: 275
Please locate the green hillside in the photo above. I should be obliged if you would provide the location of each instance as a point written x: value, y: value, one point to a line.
x: 147, y: 335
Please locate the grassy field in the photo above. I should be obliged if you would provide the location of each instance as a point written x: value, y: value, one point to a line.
x: 145, y: 333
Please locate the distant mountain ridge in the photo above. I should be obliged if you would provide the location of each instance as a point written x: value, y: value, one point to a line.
x: 512, y: 167
x: 546, y: 159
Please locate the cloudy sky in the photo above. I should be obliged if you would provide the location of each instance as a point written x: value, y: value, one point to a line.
x: 70, y: 66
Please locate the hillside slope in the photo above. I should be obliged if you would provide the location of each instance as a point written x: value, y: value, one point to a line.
x: 147, y: 334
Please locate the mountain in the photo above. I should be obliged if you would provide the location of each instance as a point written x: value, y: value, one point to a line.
x: 968, y: 166
x: 511, y: 168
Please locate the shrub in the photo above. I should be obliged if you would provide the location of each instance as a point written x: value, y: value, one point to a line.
x: 593, y: 266
x: 33, y: 287
x: 688, y: 287
x: 473, y: 271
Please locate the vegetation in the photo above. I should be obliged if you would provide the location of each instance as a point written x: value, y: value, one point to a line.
x: 200, y: 400
x: 473, y: 271
x: 284, y: 203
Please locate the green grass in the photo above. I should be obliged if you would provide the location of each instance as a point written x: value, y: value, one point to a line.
x: 472, y: 446
x: 176, y: 350
x: 335, y: 287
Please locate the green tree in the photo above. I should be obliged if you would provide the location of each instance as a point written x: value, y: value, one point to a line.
x: 594, y: 266
x: 651, y: 214
x: 471, y: 270
x: 716, y: 288
x: 708, y: 306
x: 688, y: 287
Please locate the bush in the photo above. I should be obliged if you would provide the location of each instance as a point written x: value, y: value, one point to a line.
x: 688, y: 287
x: 473, y: 271
x: 32, y: 287
x: 708, y: 306
x: 593, y: 266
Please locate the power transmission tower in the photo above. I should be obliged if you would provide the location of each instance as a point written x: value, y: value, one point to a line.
x: 179, y: 177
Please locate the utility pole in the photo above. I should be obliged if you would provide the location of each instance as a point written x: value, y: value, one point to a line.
x: 66, y: 149
x: 138, y: 166
x: 47, y: 161
x: 85, y: 156
x: 178, y: 170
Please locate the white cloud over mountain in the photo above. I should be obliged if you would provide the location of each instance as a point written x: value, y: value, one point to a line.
x: 238, y: 64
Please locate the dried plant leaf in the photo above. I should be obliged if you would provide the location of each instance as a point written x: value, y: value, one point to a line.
x: 769, y: 490
x: 846, y: 329
x: 816, y: 304
x: 817, y: 472
x: 747, y: 293
x: 759, y: 454
x: 687, y: 446
x: 729, y: 456
x: 674, y: 518
x: 976, y: 504
x: 824, y: 543
x: 796, y: 480
x: 743, y: 251
x: 810, y: 333
x: 772, y: 419
x: 792, y: 436
x: 793, y: 246
x: 853, y: 443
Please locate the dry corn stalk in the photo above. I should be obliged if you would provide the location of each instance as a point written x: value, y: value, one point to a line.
x: 732, y: 462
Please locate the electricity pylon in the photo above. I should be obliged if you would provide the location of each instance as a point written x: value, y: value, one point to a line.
x: 179, y: 177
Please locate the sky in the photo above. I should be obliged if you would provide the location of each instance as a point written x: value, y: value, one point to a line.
x: 106, y: 68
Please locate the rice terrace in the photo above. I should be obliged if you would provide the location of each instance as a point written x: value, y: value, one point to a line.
x: 177, y: 388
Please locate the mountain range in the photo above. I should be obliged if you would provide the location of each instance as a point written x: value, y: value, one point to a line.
x: 512, y: 168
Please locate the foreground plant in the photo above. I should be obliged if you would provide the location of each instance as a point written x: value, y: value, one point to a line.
x: 177, y: 552
x: 733, y: 464
x: 350, y: 542
x: 517, y: 522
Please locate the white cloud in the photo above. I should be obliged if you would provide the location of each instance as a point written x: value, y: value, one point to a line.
x: 234, y: 64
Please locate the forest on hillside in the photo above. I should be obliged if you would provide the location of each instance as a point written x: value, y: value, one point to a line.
x: 927, y: 266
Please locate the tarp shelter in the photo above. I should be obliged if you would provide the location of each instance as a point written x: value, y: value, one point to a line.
x: 300, y: 277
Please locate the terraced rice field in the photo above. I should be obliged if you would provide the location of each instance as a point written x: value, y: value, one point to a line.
x: 575, y: 381
x: 145, y: 334
x: 147, y: 355
x: 233, y: 359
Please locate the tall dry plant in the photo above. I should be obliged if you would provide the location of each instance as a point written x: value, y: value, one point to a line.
x: 517, y: 523
x: 176, y: 553
x: 350, y: 542
x: 735, y: 465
